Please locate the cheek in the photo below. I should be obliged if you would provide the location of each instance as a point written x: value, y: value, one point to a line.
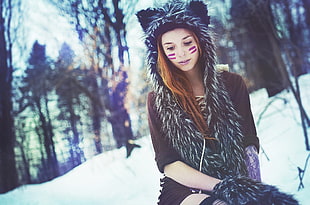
x: 192, y: 49
x: 171, y: 56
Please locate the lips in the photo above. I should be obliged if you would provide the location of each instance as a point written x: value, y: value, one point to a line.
x: 184, y: 62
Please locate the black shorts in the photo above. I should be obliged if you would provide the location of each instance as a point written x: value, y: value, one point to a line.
x: 172, y: 193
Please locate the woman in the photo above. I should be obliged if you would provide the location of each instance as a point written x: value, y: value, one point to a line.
x: 200, y: 120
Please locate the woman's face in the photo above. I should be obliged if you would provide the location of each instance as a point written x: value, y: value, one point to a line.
x: 181, y: 48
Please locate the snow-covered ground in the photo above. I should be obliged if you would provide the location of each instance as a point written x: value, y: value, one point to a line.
x: 282, y: 140
x: 112, y: 179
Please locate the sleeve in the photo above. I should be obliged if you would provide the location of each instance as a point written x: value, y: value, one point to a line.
x: 240, y: 98
x: 164, y: 152
x: 252, y: 163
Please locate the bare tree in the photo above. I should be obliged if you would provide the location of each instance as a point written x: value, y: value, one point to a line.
x: 65, y: 79
x: 36, y: 91
x: 295, y: 62
x: 101, y: 27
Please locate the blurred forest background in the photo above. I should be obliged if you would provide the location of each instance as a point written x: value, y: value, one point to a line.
x: 57, y: 111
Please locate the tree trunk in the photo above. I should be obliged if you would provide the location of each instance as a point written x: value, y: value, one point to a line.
x: 253, y: 18
x: 120, y: 118
x: 8, y: 172
x: 96, y: 110
x: 25, y: 162
x: 296, y: 40
x: 52, y: 163
x: 77, y: 154
x: 306, y: 5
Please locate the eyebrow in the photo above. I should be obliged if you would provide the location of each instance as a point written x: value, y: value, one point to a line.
x: 186, y: 37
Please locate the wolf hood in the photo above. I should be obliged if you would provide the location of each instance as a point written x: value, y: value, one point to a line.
x: 175, y: 14
x: 177, y: 126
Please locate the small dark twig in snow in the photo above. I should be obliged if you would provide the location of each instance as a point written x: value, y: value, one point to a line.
x: 301, y: 173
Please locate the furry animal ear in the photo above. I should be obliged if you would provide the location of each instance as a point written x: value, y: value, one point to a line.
x: 200, y: 10
x: 145, y: 17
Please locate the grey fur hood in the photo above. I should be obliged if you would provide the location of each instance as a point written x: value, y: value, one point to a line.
x: 174, y: 14
x: 222, y: 119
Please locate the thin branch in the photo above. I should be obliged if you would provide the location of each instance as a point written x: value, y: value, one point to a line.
x: 301, y: 173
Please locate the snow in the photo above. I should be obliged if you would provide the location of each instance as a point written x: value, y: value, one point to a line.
x: 111, y: 179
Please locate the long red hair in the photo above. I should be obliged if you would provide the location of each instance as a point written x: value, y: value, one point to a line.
x: 181, y: 88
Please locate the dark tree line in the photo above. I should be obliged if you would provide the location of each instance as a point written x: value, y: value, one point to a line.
x: 102, y: 27
x: 70, y: 101
x: 35, y: 97
x: 57, y: 103
x: 50, y: 103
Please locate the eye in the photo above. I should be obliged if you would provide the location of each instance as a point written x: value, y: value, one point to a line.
x: 170, y: 48
x: 187, y: 43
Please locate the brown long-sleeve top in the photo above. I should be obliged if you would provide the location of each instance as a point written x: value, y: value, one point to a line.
x: 237, y: 90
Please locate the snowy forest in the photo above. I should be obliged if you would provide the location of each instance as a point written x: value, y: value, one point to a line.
x: 73, y: 82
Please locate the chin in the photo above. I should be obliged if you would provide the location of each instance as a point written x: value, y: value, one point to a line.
x: 186, y: 69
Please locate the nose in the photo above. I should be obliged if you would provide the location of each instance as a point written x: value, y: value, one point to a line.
x: 181, y: 52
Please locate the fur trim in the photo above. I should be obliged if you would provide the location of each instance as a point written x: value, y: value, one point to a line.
x: 241, y: 190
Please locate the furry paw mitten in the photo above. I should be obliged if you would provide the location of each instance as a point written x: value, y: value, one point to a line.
x: 242, y: 190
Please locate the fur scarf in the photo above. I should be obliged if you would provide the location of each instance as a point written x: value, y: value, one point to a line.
x: 180, y: 130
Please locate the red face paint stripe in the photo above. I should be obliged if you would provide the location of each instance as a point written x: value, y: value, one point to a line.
x: 193, y: 51
x: 172, y: 56
x: 191, y: 48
